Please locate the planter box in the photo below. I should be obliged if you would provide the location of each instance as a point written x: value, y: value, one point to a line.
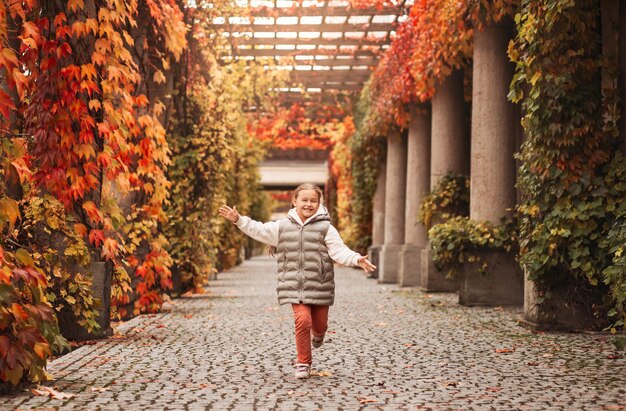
x: 502, y: 283
x: 374, y: 256
x: 410, y: 269
x: 177, y: 282
x: 559, y: 313
x: 390, y: 263
x: 101, y: 274
x: 432, y: 279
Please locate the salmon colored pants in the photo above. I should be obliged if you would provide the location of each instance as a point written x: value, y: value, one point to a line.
x: 309, y: 319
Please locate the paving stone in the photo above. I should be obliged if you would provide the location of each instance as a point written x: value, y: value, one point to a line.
x: 387, y: 349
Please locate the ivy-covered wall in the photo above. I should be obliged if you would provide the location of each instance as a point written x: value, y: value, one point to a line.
x: 572, y: 175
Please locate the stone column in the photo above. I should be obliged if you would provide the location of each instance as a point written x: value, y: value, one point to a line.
x: 417, y: 187
x: 378, y: 220
x: 449, y: 152
x: 391, y: 252
x: 492, y: 177
x: 450, y: 130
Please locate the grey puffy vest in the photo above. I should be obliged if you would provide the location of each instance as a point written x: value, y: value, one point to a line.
x: 305, y: 270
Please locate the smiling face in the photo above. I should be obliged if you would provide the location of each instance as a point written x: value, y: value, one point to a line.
x: 306, y: 203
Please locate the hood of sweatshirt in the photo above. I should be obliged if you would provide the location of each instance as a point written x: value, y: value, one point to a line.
x: 320, y: 214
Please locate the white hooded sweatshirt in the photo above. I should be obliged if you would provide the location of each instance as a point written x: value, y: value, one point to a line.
x: 268, y: 233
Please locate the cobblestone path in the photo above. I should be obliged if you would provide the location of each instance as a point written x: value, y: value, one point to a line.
x: 387, y: 348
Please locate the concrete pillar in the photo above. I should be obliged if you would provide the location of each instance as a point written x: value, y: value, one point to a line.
x: 417, y: 187
x: 378, y: 213
x: 449, y: 152
x: 492, y: 177
x: 378, y: 220
x: 450, y: 131
x: 391, y: 252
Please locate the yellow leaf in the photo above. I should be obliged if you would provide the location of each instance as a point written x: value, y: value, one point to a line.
x: 79, y: 28
x: 535, y: 78
x: 24, y: 257
x: 11, y: 209
x: 74, y: 5
x: 41, y: 349
x: 129, y: 39
x: 158, y: 77
x: 85, y: 150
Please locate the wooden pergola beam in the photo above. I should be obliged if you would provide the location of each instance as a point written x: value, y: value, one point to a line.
x: 326, y: 12
x: 334, y: 62
x: 331, y: 75
x: 295, y: 28
x: 334, y: 86
x: 310, y: 42
x: 314, y: 52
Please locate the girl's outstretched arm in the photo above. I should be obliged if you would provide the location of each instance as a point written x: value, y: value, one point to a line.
x: 264, y: 232
x: 340, y: 252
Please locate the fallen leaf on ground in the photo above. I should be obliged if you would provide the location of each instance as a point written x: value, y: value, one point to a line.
x: 366, y: 400
x: 409, y: 344
x: 613, y: 356
x: 504, y: 350
x: 532, y: 363
x: 321, y: 373
x: 99, y: 389
x: 118, y: 336
x: 188, y: 315
x: 450, y: 383
x: 44, y: 391
x: 161, y: 326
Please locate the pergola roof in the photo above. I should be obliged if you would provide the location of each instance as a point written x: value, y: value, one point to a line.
x: 327, y: 45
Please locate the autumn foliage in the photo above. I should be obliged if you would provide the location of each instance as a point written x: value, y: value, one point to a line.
x: 436, y: 39
x: 301, y: 125
x: 86, y: 110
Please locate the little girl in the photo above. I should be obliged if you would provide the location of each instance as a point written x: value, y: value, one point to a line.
x: 306, y: 245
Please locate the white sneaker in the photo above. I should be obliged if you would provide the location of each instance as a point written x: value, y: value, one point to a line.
x: 317, y: 342
x: 303, y: 371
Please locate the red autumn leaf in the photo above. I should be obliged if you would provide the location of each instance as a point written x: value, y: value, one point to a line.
x: 96, y: 237
x: 6, y: 104
x: 80, y: 229
x: 92, y: 212
x: 110, y: 248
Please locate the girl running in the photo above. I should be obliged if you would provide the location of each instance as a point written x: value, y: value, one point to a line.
x: 305, y: 245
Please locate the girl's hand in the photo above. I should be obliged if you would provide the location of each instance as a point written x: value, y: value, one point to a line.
x: 366, y: 264
x: 230, y: 214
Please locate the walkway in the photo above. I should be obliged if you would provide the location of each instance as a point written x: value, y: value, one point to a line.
x: 386, y: 349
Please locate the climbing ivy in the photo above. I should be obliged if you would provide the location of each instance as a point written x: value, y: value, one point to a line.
x: 572, y: 177
x: 460, y: 240
x: 449, y: 198
x: 369, y: 149
x: 215, y: 157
